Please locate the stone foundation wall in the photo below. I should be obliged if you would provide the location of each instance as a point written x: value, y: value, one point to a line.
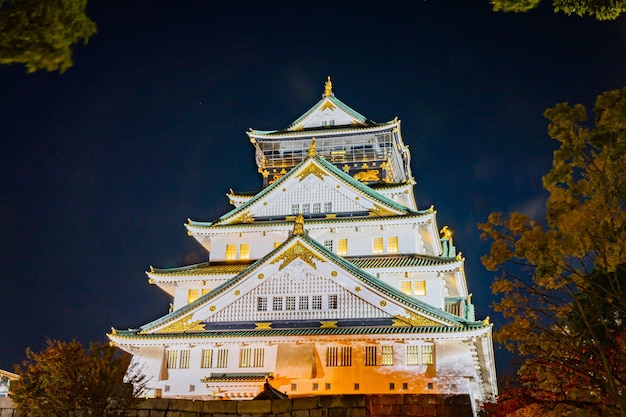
x: 323, y: 406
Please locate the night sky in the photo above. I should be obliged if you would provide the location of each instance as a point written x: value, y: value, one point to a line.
x: 100, y: 167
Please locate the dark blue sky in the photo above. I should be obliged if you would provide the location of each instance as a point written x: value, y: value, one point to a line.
x: 102, y: 165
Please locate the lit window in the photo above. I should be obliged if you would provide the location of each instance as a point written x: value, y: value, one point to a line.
x: 316, y: 302
x: 261, y: 304
x: 370, y: 355
x: 306, y: 208
x: 231, y: 252
x: 222, y: 358
x: 419, y: 355
x: 295, y: 208
x: 259, y: 357
x: 342, y: 247
x: 328, y: 207
x: 207, y: 357
x: 405, y: 287
x: 172, y: 359
x: 317, y: 208
x: 290, y: 302
x: 244, y: 251
x: 192, y: 295
x: 328, y: 244
x: 184, y: 358
x: 303, y: 302
x: 427, y: 354
x: 392, y: 244
x: 332, y: 302
x: 377, y: 246
x: 419, y: 287
x: 245, y: 358
x: 387, y: 355
x: 277, y: 303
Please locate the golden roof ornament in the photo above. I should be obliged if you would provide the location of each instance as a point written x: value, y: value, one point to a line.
x: 298, y: 226
x: 312, y: 148
x: 328, y: 88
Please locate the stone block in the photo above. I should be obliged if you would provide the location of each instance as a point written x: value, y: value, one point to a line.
x: 430, y: 410
x: 337, y: 412
x: 305, y: 403
x: 281, y: 406
x: 359, y: 412
x: 318, y: 412
x: 300, y: 413
x: 155, y: 404
x: 220, y: 407
x: 412, y: 410
x: 254, y: 407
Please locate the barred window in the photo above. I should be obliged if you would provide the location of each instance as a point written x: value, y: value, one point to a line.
x: 370, y: 355
x: 339, y: 356
x: 222, y: 358
x: 207, y: 356
x: 303, y: 302
x: 245, y: 358
x: 295, y: 208
x: 392, y: 244
x: 332, y: 301
x: 231, y: 252
x: 419, y: 354
x: 261, y: 304
x: 377, y: 245
x: 290, y: 302
x: 172, y: 359
x: 277, y: 303
x: 328, y: 207
x: 306, y: 208
x: 192, y: 295
x: 316, y: 303
x: 387, y: 355
x: 328, y: 244
x: 184, y: 358
x: 317, y: 207
x: 244, y: 251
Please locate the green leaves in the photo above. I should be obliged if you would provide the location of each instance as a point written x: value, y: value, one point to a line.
x: 598, y: 9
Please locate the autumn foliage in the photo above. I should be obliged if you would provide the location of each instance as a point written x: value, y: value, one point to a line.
x: 562, y: 286
x: 66, y: 380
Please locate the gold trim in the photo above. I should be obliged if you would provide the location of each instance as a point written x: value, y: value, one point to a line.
x: 381, y: 211
x: 297, y: 251
x: 328, y: 324
x: 263, y: 326
x: 328, y: 87
x: 311, y: 169
x: 417, y: 320
x: 184, y: 325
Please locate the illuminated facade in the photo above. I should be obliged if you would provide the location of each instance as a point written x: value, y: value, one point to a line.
x: 329, y: 280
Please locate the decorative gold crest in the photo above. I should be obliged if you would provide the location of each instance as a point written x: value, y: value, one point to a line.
x: 311, y: 169
x: 379, y: 210
x: 417, y: 320
x: 297, y: 251
x: 184, y: 325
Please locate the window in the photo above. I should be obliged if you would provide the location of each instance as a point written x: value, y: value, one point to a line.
x: 356, y: 386
x: 405, y: 287
x: 294, y: 387
x: 306, y: 208
x: 339, y: 356
x: 419, y: 288
x: 290, y: 302
x: 207, y: 356
x: 184, y: 358
x: 430, y: 385
x: 244, y: 251
x: 405, y: 385
x: 427, y: 355
x: 392, y: 386
x: 231, y: 252
x: 316, y: 302
x: 328, y: 385
x: 370, y: 355
x: 413, y: 287
x: 392, y: 244
x: 315, y: 386
x: 317, y: 208
x: 192, y: 295
x: 377, y: 245
x: 222, y: 358
x: 277, y: 303
x: 328, y: 244
x: 419, y: 355
x: 342, y: 247
x: 245, y: 358
x: 387, y: 355
x: 261, y: 304
x: 303, y: 302
x: 172, y: 359
x: 328, y: 207
x: 295, y: 208
x: 332, y: 302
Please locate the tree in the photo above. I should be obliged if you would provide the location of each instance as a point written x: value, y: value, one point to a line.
x: 563, y: 283
x: 40, y: 33
x: 599, y: 9
x: 65, y: 377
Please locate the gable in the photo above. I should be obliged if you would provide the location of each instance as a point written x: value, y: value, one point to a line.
x: 328, y: 112
x: 301, y: 267
x: 313, y: 181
